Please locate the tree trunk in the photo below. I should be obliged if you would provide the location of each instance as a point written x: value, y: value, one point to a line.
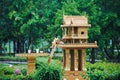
x: 21, y: 46
x: 9, y: 46
x: 4, y: 48
x: 14, y: 42
x: 18, y: 47
x: 112, y: 47
x: 23, y: 49
x: 106, y: 54
x: 118, y: 50
x: 0, y: 48
x: 42, y: 46
x: 93, y: 56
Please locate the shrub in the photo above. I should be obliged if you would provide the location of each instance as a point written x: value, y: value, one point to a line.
x: 11, y: 58
x: 24, y: 72
x: 8, y: 73
x: 103, y: 71
x: 45, y: 71
x: 5, y: 70
x: 60, y: 58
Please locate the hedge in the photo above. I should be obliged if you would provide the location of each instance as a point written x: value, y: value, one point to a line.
x: 45, y: 71
x: 103, y: 71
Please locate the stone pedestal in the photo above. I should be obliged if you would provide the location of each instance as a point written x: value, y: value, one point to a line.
x: 31, y: 58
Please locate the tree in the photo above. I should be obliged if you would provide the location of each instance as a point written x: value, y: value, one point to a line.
x: 110, y: 30
x: 5, y: 23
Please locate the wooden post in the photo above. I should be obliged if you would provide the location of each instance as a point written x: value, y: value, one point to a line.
x: 67, y: 60
x: 72, y: 67
x: 76, y: 59
x: 79, y: 60
x: 65, y: 32
x: 83, y: 59
x: 72, y: 31
x: 64, y: 58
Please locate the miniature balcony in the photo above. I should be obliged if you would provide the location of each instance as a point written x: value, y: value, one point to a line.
x: 79, y: 45
x: 74, y: 36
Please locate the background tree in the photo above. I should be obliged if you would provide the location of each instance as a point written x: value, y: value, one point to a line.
x: 30, y: 22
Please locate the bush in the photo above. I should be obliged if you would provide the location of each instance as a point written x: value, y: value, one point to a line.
x: 11, y: 58
x: 103, y: 71
x: 24, y: 72
x: 60, y: 58
x: 7, y: 54
x: 5, y: 70
x: 8, y: 73
x: 45, y: 71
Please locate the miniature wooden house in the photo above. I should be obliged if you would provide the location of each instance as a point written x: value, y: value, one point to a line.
x: 75, y: 38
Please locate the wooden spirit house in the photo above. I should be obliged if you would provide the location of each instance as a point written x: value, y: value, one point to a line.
x: 75, y: 38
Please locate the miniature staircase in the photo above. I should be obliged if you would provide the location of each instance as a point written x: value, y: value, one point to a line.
x: 55, y: 44
x: 51, y: 54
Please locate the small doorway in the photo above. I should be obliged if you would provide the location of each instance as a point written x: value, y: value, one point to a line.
x: 76, y: 30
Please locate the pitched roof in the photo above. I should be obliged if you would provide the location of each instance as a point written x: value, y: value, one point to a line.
x: 75, y: 21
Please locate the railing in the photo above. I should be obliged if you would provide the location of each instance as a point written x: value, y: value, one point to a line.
x: 73, y: 36
x: 80, y: 43
x: 70, y: 35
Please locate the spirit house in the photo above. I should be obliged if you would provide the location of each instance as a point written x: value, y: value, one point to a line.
x: 75, y: 38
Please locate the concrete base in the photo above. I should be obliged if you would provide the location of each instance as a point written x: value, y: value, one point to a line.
x: 75, y: 75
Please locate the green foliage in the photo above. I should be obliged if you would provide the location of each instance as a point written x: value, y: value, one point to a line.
x: 45, y: 71
x: 60, y: 58
x: 103, y: 71
x: 11, y: 58
x: 5, y: 70
x: 8, y: 73
x: 24, y: 72
x: 30, y: 22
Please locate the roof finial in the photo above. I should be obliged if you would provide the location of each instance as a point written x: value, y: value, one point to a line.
x: 71, y: 20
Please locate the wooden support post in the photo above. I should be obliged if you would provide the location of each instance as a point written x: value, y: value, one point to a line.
x: 67, y: 59
x: 83, y: 59
x: 76, y: 59
x: 72, y: 31
x: 65, y: 31
x: 64, y: 58
x: 79, y: 60
x: 72, y: 67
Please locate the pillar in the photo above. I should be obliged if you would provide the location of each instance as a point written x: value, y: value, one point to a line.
x: 72, y: 31
x: 65, y: 32
x: 31, y: 64
x: 83, y: 59
x: 76, y: 59
x: 79, y: 60
x: 72, y: 60
x: 64, y: 58
x: 67, y: 54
